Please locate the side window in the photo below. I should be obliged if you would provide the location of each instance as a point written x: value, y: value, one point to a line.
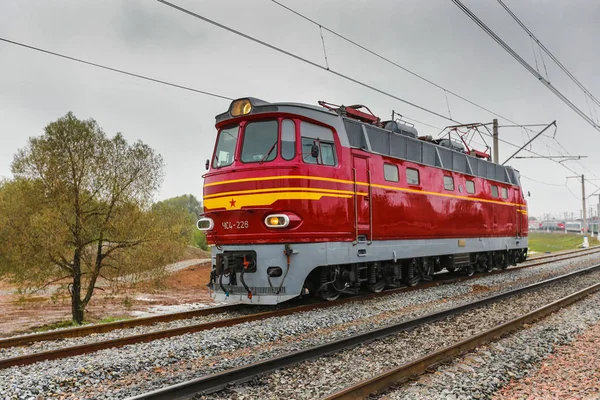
x: 494, y: 191
x: 470, y: 187
x: 390, y: 172
x: 327, y: 154
x: 412, y: 176
x: 448, y: 182
x: 321, y: 138
x: 288, y: 139
x: 504, y: 193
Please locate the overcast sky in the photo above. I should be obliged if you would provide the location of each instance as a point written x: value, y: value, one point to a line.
x: 433, y: 38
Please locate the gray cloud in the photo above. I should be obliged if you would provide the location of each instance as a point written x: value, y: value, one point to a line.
x: 432, y: 38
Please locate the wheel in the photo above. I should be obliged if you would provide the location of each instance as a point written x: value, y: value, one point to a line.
x: 376, y: 287
x: 505, y: 261
x: 327, y: 280
x: 470, y: 270
x: 329, y: 295
x: 411, y: 273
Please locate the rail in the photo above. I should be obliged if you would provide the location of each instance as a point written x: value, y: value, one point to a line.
x: 218, y: 381
x: 161, y: 334
x: 419, y: 366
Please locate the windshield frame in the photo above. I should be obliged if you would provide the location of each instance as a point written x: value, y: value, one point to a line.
x: 215, y: 159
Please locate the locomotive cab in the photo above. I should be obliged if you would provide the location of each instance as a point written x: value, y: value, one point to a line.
x: 259, y: 208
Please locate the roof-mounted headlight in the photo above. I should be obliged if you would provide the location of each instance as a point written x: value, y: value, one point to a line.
x: 240, y: 107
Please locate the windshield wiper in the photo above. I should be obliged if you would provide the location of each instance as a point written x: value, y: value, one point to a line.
x: 269, y: 153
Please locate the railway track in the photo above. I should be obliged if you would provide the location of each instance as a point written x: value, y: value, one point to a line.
x: 218, y: 381
x: 165, y: 333
x: 544, y: 256
x: 403, y: 373
x: 23, y: 340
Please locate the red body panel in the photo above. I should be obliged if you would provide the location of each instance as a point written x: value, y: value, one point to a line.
x: 332, y: 203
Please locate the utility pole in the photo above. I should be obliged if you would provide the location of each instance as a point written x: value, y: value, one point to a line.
x: 495, y: 137
x: 585, y: 230
x: 598, y: 218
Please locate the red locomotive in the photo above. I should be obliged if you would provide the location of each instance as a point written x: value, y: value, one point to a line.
x: 332, y: 200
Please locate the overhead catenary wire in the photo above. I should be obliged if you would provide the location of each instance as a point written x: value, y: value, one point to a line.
x: 188, y: 88
x: 389, y: 61
x: 117, y: 70
x: 145, y: 77
x: 541, y: 46
x: 540, y: 182
x: 524, y: 63
x: 295, y: 56
x: 299, y: 58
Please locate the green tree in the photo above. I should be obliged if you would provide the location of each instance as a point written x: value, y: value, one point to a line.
x: 188, y: 202
x: 79, y: 207
x: 194, y: 208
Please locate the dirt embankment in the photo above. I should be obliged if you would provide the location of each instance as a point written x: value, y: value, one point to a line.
x: 182, y: 289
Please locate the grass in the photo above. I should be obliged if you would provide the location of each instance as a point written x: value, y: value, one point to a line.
x: 56, y: 325
x: 542, y: 242
x: 71, y: 324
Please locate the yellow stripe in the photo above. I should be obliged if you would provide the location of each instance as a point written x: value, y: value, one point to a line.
x: 264, y: 199
x: 319, y: 178
x: 298, y: 189
x: 270, y: 178
x: 454, y: 196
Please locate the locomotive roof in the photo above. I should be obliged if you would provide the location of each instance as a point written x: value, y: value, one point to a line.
x: 264, y: 106
x: 382, y: 141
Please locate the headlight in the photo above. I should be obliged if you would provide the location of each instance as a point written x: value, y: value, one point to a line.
x: 277, y: 221
x: 240, y: 107
x: 205, y: 224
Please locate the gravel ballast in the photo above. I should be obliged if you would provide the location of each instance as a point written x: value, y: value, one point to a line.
x: 330, y: 374
x: 119, y: 373
x: 493, y: 283
x: 482, y: 372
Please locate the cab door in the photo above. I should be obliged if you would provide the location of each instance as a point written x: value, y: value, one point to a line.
x: 519, y: 216
x: 362, y: 198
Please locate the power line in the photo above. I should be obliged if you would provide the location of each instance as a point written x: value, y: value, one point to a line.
x: 372, y: 52
x: 120, y: 71
x: 299, y: 58
x: 97, y: 65
x: 542, y: 183
x: 524, y: 63
x: 541, y: 45
x: 295, y: 56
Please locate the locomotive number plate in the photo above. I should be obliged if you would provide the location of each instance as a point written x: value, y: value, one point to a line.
x: 235, y: 225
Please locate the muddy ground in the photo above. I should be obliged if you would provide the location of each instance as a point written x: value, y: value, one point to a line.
x: 181, y: 290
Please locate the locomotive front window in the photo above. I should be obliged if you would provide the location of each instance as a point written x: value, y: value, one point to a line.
x: 260, y: 142
x: 288, y: 139
x: 225, y: 152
